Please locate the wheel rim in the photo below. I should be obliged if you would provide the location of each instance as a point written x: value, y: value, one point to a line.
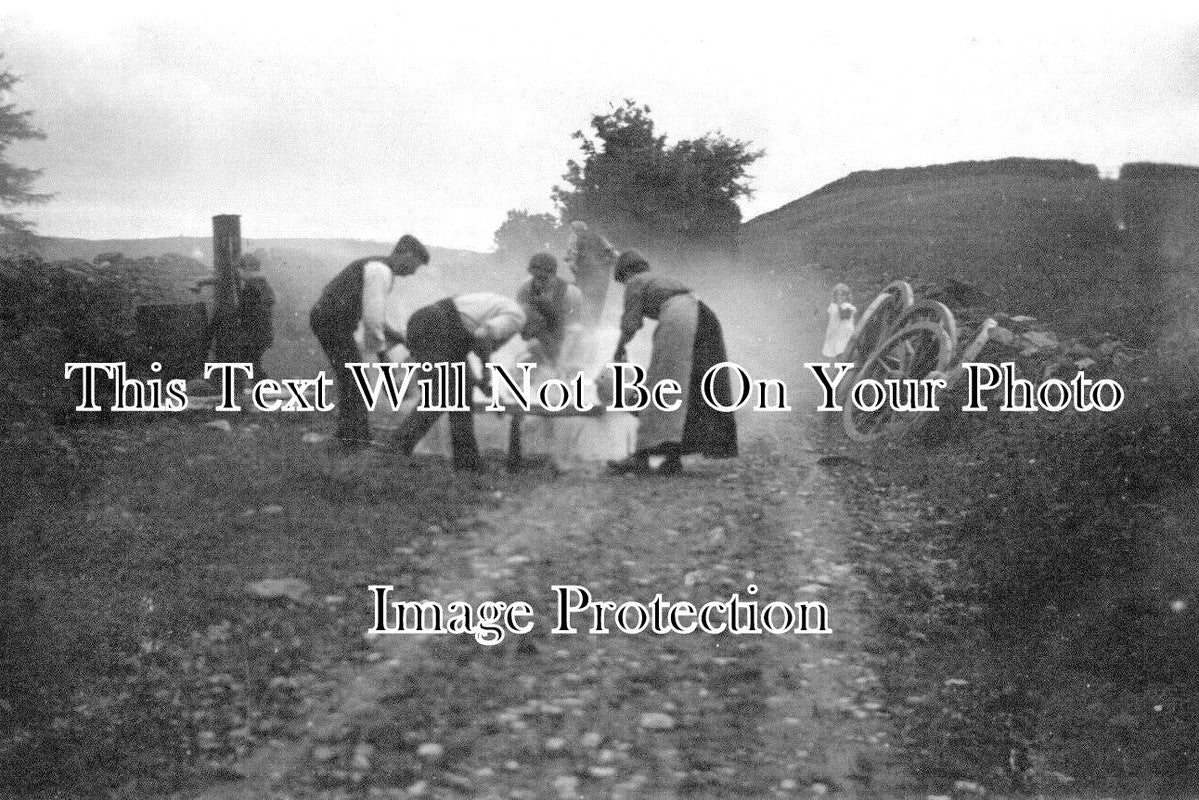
x: 931, y: 311
x: 878, y: 321
x: 914, y: 352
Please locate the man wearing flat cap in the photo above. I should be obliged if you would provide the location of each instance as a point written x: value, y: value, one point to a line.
x: 359, y: 294
x: 551, y: 300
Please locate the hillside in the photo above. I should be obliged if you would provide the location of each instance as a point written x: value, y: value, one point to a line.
x: 1039, y: 237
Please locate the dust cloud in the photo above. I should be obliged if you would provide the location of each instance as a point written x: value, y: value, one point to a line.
x: 773, y: 321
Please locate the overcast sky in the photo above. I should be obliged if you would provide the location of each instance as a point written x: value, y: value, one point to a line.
x: 368, y: 121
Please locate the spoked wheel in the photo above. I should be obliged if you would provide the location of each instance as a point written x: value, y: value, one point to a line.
x: 931, y: 311
x: 876, y: 324
x: 878, y: 321
x: 916, y: 352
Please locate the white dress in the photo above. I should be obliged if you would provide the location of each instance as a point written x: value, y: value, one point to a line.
x: 839, y: 329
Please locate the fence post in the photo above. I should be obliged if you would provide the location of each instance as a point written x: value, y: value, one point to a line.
x: 226, y: 248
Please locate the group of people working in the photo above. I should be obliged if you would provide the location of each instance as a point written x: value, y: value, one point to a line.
x: 687, y: 341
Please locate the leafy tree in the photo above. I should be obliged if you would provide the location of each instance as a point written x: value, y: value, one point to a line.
x: 522, y: 234
x: 16, y: 183
x: 647, y: 193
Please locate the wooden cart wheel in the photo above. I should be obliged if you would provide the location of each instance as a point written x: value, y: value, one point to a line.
x: 876, y: 324
x: 877, y: 321
x: 917, y: 351
x: 931, y: 311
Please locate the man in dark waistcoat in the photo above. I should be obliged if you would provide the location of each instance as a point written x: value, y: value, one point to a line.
x: 359, y: 294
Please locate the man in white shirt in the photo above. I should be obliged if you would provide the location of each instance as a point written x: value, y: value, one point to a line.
x: 359, y: 294
x: 447, y: 332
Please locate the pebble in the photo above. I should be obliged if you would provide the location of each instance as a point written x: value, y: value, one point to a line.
x: 601, y: 772
x: 418, y: 789
x: 430, y: 751
x: 272, y: 509
x: 555, y: 744
x: 219, y: 425
x: 591, y: 739
x: 323, y: 753
x: 657, y: 721
x: 362, y: 757
x: 460, y: 781
x: 819, y: 788
x: 788, y: 785
x: 567, y: 786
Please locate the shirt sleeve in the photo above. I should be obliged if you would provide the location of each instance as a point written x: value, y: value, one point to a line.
x: 634, y: 294
x: 524, y: 293
x: 573, y: 301
x: 501, y: 327
x: 377, y: 280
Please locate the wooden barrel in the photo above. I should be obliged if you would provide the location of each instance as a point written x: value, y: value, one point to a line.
x: 176, y: 334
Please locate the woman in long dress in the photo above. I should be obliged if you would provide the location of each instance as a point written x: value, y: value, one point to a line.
x: 840, y: 322
x: 687, y: 342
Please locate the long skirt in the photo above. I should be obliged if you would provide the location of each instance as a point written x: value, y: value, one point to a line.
x: 687, y: 342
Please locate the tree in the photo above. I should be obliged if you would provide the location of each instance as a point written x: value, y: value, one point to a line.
x: 16, y: 183
x: 522, y: 234
x: 649, y: 194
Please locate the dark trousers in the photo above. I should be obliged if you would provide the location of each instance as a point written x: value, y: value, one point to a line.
x: 436, y: 334
x: 251, y: 353
x: 353, y: 425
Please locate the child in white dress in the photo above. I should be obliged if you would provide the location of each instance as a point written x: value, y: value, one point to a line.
x: 840, y: 322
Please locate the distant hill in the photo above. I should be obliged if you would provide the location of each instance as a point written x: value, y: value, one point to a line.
x: 1040, y: 237
x: 299, y: 269
x: 305, y: 265
x: 330, y: 251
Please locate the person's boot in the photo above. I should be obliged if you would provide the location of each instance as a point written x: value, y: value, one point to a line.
x: 673, y: 465
x: 636, y: 463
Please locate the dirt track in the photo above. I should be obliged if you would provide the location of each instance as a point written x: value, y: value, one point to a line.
x: 560, y: 716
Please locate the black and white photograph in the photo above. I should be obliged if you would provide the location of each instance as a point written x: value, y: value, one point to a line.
x: 536, y: 401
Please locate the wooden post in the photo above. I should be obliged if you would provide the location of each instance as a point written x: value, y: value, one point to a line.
x: 226, y: 248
